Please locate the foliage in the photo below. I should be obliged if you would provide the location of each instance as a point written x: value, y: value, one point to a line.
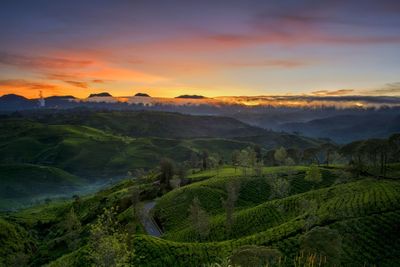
x: 324, y: 242
x: 313, y: 174
x: 199, y: 219
x: 107, y: 245
x: 249, y: 256
x: 280, y: 155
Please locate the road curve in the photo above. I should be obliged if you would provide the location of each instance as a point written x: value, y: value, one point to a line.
x: 148, y: 222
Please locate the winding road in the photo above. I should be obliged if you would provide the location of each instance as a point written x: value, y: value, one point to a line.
x: 148, y: 222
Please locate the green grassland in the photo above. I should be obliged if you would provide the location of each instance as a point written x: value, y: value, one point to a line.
x: 365, y: 211
x: 47, y: 155
x: 66, y: 153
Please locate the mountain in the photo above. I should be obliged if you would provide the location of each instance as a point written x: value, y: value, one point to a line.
x: 142, y: 95
x: 104, y: 94
x: 191, y: 96
x: 347, y: 128
x: 16, y: 102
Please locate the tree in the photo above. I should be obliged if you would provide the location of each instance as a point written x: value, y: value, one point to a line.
x: 323, y: 241
x: 232, y: 189
x: 251, y: 153
x: 328, y: 148
x: 135, y: 199
x: 109, y: 246
x: 72, y: 226
x: 251, y: 255
x: 280, y: 187
x: 204, y: 159
x: 194, y: 160
x: 167, y: 171
x: 280, y: 155
x: 289, y: 161
x: 235, y: 159
x: 199, y: 219
x: 313, y: 174
x: 244, y: 161
x: 257, y: 150
x: 311, y: 154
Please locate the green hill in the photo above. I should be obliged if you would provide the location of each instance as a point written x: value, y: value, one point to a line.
x: 365, y: 212
x: 172, y: 125
x: 27, y: 183
x: 173, y: 208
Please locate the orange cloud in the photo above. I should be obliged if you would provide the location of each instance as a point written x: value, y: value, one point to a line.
x: 333, y: 93
x: 78, y: 84
x: 28, y: 88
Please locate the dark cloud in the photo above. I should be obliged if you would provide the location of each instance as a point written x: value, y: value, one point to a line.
x: 78, y: 84
x: 388, y: 89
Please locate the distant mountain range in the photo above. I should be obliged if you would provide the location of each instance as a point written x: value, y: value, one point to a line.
x: 339, y: 124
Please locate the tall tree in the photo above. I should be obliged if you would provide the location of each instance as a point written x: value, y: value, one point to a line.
x: 72, y: 226
x: 204, y: 159
x: 235, y: 158
x: 167, y: 172
x: 232, y: 189
x: 280, y: 155
x: 199, y: 219
x: 257, y: 150
x: 328, y: 149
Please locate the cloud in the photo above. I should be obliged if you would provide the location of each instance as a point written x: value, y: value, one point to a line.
x: 388, y: 89
x: 23, y: 61
x: 20, y: 83
x: 333, y: 93
x: 318, y: 101
x: 78, y: 84
x: 100, y: 81
x: 28, y: 88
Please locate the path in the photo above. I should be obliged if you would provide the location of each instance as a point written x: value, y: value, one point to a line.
x: 148, y: 222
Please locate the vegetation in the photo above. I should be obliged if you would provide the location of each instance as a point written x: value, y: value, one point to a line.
x: 217, y: 202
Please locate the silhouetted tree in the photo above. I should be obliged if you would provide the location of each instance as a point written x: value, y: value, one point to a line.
x: 167, y: 172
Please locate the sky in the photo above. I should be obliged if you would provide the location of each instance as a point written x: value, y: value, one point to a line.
x: 211, y: 48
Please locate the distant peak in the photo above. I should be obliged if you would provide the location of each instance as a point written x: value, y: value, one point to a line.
x: 13, y: 97
x: 103, y: 94
x: 142, y: 94
x: 191, y: 96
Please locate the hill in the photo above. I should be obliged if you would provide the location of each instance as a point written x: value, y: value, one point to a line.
x: 364, y: 212
x: 347, y: 128
x: 23, y: 184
